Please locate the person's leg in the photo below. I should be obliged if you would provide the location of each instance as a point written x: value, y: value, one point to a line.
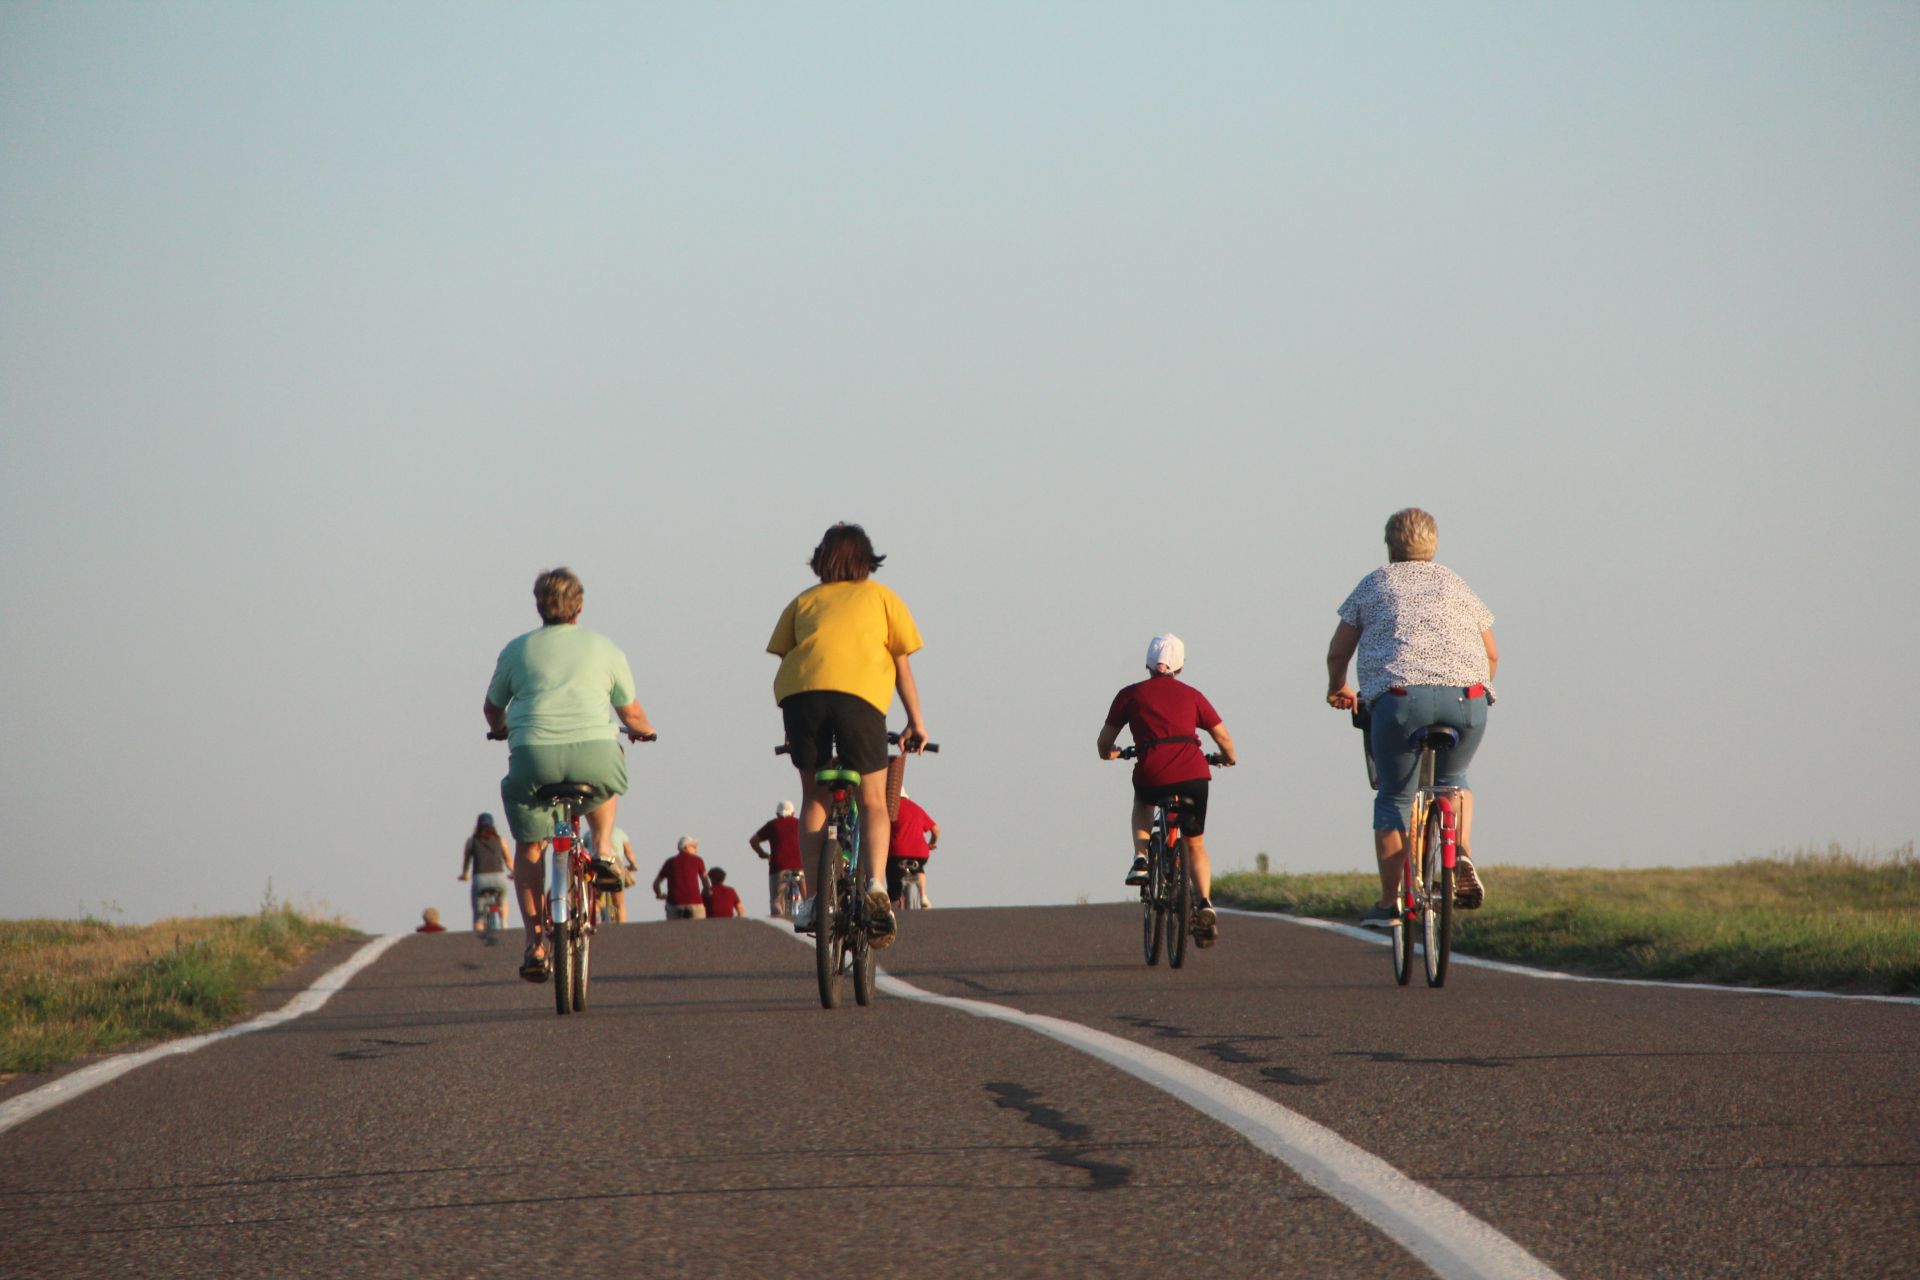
x: 926, y: 903
x: 619, y: 906
x: 876, y: 829
x: 473, y: 896
x: 1396, y: 759
x: 529, y: 878
x: 1198, y: 865
x: 1390, y: 851
x: 601, y: 820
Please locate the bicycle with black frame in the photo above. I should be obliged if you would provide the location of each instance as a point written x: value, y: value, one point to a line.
x: 1168, y: 899
x: 840, y: 941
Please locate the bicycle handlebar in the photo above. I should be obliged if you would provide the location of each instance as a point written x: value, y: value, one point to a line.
x: 500, y: 735
x: 1213, y: 757
x: 893, y: 739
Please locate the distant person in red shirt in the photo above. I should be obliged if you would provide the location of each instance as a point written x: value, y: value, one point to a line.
x: 1165, y: 716
x: 722, y: 902
x: 915, y: 834
x: 430, y: 921
x: 781, y: 833
x: 685, y: 878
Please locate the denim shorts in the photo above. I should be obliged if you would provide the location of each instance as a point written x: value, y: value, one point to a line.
x: 1394, y: 738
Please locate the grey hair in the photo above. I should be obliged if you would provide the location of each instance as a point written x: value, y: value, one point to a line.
x: 1411, y: 535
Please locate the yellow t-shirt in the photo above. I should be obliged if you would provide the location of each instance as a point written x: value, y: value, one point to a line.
x: 843, y: 636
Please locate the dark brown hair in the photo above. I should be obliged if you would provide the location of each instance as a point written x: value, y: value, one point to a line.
x: 845, y: 554
x: 558, y: 595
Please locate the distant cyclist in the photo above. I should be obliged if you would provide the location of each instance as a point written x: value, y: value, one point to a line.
x: 843, y: 648
x: 550, y: 694
x: 1165, y: 716
x: 615, y: 869
x: 684, y: 877
x: 1427, y: 657
x: 915, y: 835
x: 777, y: 843
x: 486, y: 860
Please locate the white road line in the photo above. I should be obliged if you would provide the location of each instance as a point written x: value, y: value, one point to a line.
x: 1449, y: 1240
x: 1380, y: 938
x: 68, y: 1087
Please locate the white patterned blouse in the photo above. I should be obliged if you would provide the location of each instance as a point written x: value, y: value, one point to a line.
x: 1419, y: 623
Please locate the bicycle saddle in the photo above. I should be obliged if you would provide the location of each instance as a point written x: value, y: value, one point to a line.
x: 566, y: 791
x: 1440, y: 737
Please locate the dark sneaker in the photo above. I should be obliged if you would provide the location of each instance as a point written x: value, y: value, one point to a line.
x: 1379, y: 917
x: 1138, y: 876
x: 1468, y: 892
x: 881, y: 930
x: 534, y: 967
x: 1206, y: 926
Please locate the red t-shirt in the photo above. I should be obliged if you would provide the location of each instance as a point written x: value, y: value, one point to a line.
x: 722, y: 902
x: 910, y: 831
x: 783, y: 835
x: 1162, y: 707
x: 683, y: 872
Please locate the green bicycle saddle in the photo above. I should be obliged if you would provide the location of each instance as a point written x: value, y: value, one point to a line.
x: 828, y: 777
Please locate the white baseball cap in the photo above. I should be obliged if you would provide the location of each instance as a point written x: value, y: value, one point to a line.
x: 784, y: 809
x: 1166, y: 653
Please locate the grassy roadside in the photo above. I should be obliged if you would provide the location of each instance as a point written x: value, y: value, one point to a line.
x: 1831, y: 921
x: 71, y: 987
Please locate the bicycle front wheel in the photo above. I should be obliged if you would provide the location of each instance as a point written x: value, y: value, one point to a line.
x: 1437, y: 917
x: 830, y: 923
x: 1180, y: 895
x: 1153, y: 903
x: 863, y: 965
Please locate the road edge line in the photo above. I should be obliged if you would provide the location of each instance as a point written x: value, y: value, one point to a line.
x: 23, y: 1107
x: 1380, y: 939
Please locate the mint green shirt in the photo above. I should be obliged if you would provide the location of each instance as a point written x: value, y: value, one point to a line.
x: 557, y: 684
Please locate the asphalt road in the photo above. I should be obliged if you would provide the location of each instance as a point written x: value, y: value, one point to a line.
x: 707, y: 1118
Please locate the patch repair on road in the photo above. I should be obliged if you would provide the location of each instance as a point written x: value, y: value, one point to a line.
x: 1073, y: 1151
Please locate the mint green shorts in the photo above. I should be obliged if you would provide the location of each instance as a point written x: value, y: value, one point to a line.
x: 601, y: 764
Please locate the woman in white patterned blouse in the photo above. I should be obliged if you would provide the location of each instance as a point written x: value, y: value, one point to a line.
x: 1427, y: 657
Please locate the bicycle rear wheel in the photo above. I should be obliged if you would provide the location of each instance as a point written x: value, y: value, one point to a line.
x: 1403, y: 928
x: 1153, y: 902
x: 1179, y: 904
x: 560, y: 953
x: 1437, y: 919
x: 830, y: 923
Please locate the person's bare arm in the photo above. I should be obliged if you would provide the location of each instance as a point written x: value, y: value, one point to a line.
x: 635, y: 720
x: 1340, y: 649
x: 466, y: 859
x: 1224, y: 740
x: 1493, y: 653
x: 496, y: 719
x: 1109, y: 735
x: 658, y: 881
x: 754, y: 842
x: 910, y: 699
x: 933, y: 834
x: 626, y: 850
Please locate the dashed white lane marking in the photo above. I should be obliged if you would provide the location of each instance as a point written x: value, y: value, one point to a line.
x: 1379, y: 938
x: 1449, y: 1240
x: 68, y: 1087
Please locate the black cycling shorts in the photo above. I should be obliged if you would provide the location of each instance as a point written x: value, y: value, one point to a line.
x: 1193, y: 815
x: 825, y: 723
x: 898, y: 869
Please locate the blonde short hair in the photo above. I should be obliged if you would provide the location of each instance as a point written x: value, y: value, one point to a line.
x: 1411, y: 535
x: 558, y: 595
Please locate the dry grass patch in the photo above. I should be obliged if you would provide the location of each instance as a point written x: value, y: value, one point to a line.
x: 71, y: 987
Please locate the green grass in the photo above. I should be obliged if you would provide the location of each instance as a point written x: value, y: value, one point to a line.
x: 72, y: 987
x: 1831, y: 920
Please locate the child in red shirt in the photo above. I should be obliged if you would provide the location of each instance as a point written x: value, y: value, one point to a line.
x: 722, y: 901
x: 1165, y: 716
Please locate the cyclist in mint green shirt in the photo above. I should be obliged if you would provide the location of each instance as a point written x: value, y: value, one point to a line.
x: 549, y: 697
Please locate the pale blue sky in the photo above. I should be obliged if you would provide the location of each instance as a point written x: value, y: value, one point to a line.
x: 324, y: 328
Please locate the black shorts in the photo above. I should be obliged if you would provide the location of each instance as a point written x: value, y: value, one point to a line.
x: 898, y: 869
x: 825, y: 723
x: 1193, y: 816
